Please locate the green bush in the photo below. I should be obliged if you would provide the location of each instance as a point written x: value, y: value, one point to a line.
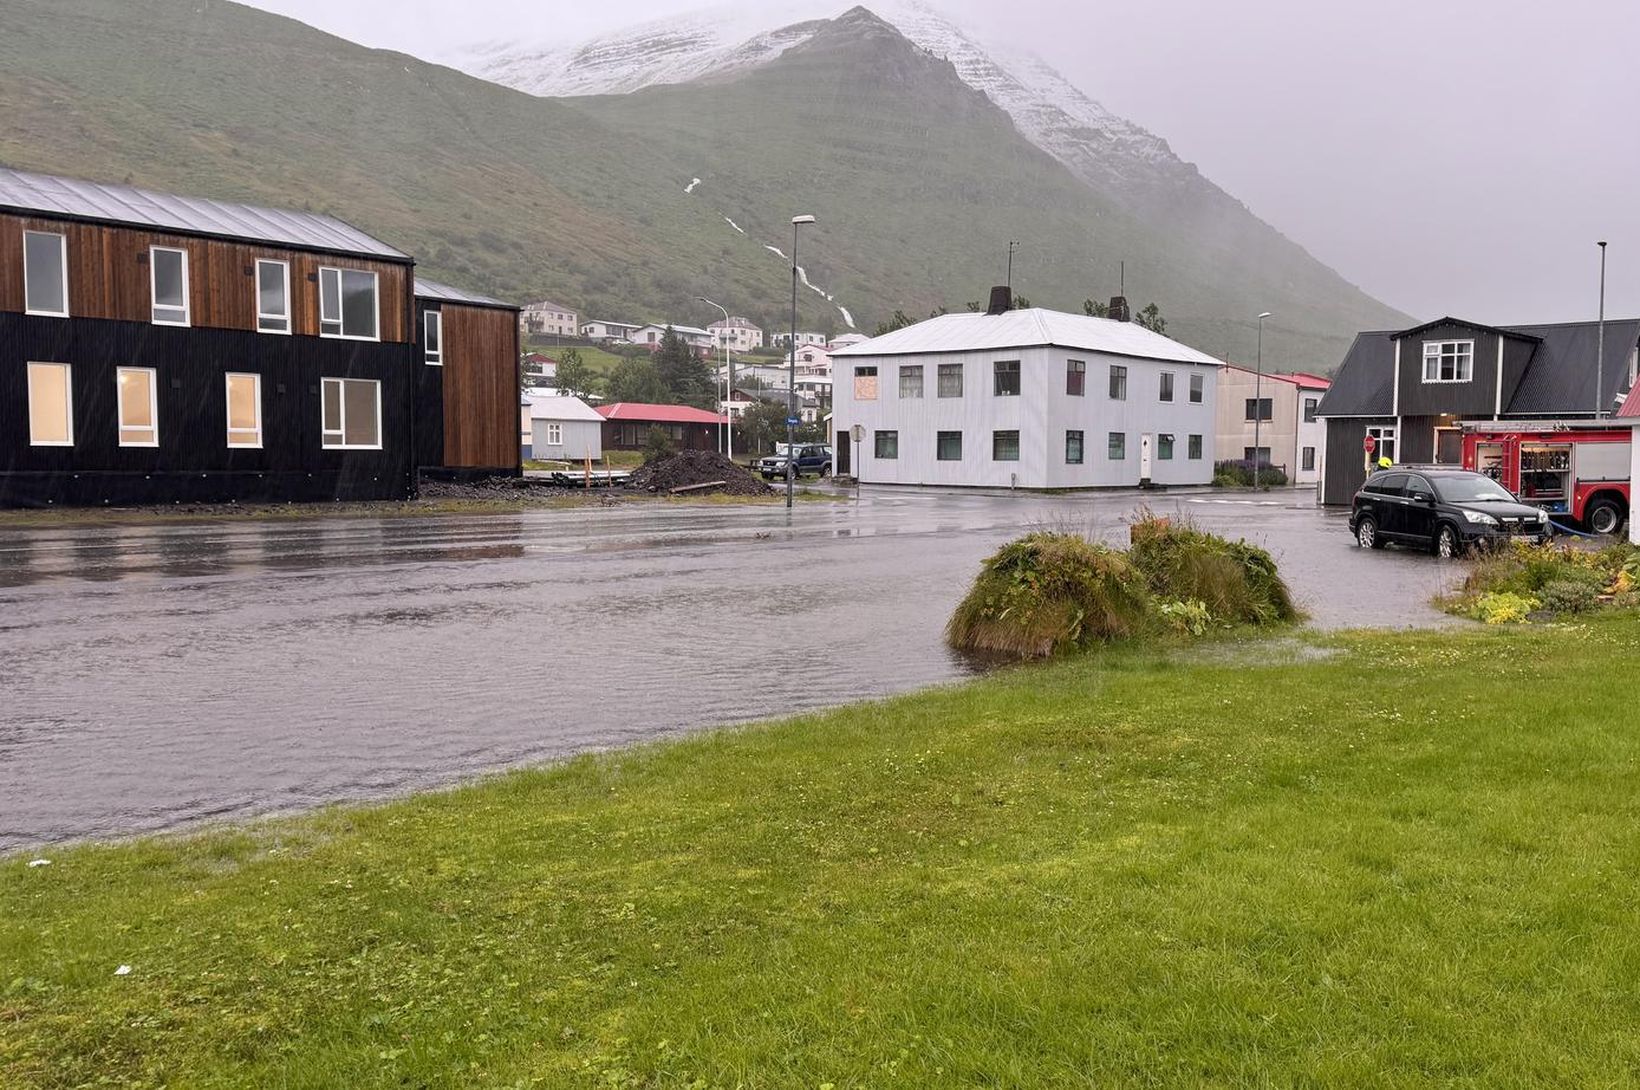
x: 1237, y: 582
x: 1187, y: 618
x: 1239, y: 474
x: 1570, y: 596
x: 657, y: 445
x: 1503, y: 608
x: 1047, y: 593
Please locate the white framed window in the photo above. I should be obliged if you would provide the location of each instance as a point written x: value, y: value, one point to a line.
x: 555, y: 434
x: 1167, y: 386
x: 950, y: 380
x: 352, y: 414
x: 1197, y: 384
x: 168, y: 283
x: 45, y: 274
x: 1449, y: 361
x: 244, y: 401
x: 50, y: 405
x: 348, y: 305
x: 272, y: 296
x: 865, y: 383
x: 432, y: 338
x: 138, y: 397
x: 911, y: 381
x: 1385, y: 448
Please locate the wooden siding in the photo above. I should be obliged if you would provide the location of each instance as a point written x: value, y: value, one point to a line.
x: 481, y: 394
x: 108, y: 277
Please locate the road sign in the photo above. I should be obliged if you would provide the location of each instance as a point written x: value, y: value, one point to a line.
x: 792, y: 421
x: 859, y: 433
x: 1369, y: 444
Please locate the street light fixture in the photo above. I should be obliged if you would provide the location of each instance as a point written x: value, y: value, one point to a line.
x: 728, y: 379
x: 1258, y: 398
x: 791, y: 373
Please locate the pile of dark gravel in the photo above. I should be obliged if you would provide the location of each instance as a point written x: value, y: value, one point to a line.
x: 696, y: 467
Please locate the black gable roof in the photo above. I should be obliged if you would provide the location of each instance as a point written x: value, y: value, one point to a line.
x: 1560, y: 378
x: 1365, y: 382
x: 1502, y: 331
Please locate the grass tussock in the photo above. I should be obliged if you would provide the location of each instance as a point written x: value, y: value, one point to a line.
x: 1050, y: 592
x: 1054, y: 591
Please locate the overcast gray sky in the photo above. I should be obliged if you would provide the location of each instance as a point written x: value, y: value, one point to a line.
x: 1449, y: 156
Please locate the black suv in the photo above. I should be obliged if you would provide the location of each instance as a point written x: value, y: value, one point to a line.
x: 1444, y: 510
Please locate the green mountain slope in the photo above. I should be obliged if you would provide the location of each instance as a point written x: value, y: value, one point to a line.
x: 919, y: 181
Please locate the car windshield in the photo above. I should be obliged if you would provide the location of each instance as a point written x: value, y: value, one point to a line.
x: 1470, y: 489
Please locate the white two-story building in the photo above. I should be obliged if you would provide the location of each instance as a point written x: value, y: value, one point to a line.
x: 1026, y: 399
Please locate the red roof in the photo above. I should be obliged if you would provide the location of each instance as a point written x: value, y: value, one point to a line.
x: 1630, y: 409
x: 658, y: 414
x: 1311, y: 382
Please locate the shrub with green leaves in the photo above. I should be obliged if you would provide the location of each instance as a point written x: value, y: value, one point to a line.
x: 1047, y: 593
x: 1570, y: 596
x: 1237, y: 582
x: 1187, y: 618
x: 1504, y: 607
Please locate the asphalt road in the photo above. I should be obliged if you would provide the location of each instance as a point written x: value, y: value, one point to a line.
x: 151, y: 677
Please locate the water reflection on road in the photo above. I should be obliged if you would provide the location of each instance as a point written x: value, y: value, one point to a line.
x: 153, y: 676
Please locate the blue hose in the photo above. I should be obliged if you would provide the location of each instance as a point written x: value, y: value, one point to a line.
x: 1569, y: 530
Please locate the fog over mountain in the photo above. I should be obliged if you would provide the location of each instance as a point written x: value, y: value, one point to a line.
x: 1457, y: 157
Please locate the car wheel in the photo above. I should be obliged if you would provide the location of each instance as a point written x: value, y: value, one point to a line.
x: 825, y: 470
x: 1366, y: 533
x: 1447, y: 543
x: 1605, y: 517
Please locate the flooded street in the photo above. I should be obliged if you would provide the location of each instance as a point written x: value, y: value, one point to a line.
x: 155, y: 676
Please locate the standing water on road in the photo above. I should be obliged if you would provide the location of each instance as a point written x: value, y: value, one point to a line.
x: 152, y: 676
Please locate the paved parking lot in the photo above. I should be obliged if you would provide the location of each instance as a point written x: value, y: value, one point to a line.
x: 153, y: 676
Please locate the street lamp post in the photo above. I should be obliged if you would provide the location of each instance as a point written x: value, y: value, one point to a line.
x: 1258, y: 399
x: 1600, y: 348
x: 791, y: 373
x: 728, y: 379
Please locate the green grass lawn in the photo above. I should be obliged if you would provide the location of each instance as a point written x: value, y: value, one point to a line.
x: 1374, y: 860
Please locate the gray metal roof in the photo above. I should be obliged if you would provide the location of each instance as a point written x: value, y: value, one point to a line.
x: 444, y: 293
x: 1364, y: 384
x: 1032, y: 328
x: 51, y: 195
x: 1559, y: 377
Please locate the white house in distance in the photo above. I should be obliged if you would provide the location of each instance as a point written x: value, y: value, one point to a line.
x: 547, y: 317
x: 739, y: 334
x: 1278, y: 412
x: 565, y: 429
x: 803, y: 338
x: 1025, y: 398
x: 650, y: 336
x: 607, y: 331
x: 846, y: 339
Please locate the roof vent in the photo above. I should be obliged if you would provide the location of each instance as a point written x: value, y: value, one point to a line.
x: 1119, y: 309
x: 1002, y: 300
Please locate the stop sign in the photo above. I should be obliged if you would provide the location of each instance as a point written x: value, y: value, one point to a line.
x: 1369, y: 444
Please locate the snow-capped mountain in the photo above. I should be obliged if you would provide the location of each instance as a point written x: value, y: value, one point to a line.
x: 1048, y: 109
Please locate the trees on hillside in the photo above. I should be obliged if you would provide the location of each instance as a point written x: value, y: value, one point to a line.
x: 636, y: 380
x: 687, y: 377
x: 575, y: 377
x: 1151, y: 318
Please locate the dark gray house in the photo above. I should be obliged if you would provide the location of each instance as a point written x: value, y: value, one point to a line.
x: 1410, y: 389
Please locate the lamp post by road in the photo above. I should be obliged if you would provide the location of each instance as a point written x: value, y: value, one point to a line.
x: 1600, y: 402
x: 1258, y: 399
x: 791, y: 372
x: 728, y: 379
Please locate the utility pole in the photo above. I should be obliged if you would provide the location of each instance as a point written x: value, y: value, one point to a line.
x: 728, y: 379
x: 1600, y: 347
x: 1012, y: 246
x: 1258, y: 399
x: 791, y: 379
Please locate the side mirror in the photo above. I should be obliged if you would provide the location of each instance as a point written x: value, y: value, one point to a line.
x: 1422, y: 497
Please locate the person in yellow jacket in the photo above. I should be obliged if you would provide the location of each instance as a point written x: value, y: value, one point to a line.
x: 1384, y: 462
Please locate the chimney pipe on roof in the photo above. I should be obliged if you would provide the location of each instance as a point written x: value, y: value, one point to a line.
x: 1119, y: 309
x: 1002, y: 300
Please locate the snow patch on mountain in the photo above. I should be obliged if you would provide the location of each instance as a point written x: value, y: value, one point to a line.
x: 690, y: 188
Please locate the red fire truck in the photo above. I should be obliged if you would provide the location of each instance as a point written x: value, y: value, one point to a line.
x: 1578, y: 469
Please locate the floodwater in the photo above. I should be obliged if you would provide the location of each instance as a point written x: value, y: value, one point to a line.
x: 155, y: 676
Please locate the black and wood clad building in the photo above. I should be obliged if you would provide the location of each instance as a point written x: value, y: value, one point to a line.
x: 1411, y: 389
x: 468, y: 392
x: 160, y: 349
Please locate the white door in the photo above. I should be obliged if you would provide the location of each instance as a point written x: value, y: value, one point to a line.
x: 1144, y: 457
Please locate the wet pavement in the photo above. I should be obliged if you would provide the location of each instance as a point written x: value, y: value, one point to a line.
x: 154, y: 676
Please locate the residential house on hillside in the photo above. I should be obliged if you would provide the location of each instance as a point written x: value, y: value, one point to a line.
x: 597, y: 330
x: 738, y: 333
x: 1279, y: 413
x: 811, y: 360
x: 1025, y: 398
x: 650, y: 337
x: 1411, y: 389
x: 565, y: 429
x: 846, y: 340
x: 779, y: 340
x: 547, y: 318
x: 627, y: 425
x: 468, y: 383
x: 156, y: 348
x: 539, y: 367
